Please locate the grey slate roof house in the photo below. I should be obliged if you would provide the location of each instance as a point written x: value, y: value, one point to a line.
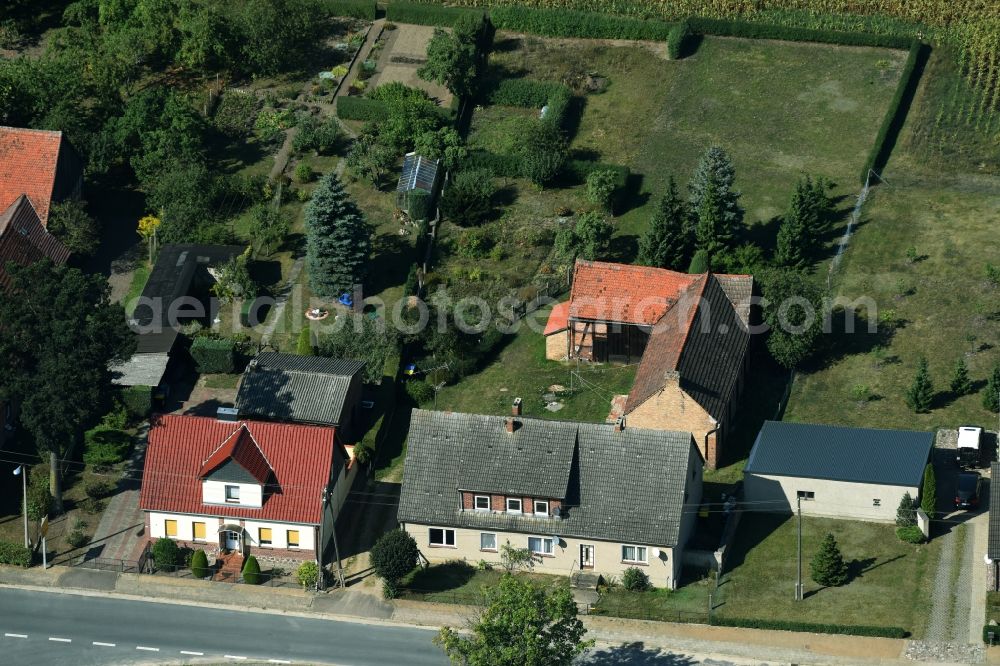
x: 993, y: 541
x: 302, y: 389
x: 580, y: 496
x: 836, y: 471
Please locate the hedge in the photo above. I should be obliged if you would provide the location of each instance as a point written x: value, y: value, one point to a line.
x: 569, y: 23
x: 214, y: 355
x: 732, y: 28
x: 558, y: 104
x: 525, y: 93
x: 578, y: 170
x: 361, y: 108
x: 680, y: 40
x: 792, y: 625
x: 15, y: 553
x: 138, y: 401
x: 895, y: 115
x: 105, y: 446
x: 506, y: 166
x: 361, y: 9
x: 436, y: 15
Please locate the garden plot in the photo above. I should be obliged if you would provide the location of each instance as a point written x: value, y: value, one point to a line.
x: 405, y: 51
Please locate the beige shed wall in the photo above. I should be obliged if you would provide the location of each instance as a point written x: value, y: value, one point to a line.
x: 833, y: 499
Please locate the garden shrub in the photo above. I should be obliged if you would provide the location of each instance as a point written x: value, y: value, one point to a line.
x: 679, y: 40
x: 77, y: 539
x: 792, y: 625
x: 322, y: 137
x: 394, y: 555
x: 635, y: 580
x: 557, y: 105
x: 251, y: 571
x: 412, y: 285
x: 303, y: 172
x: 360, y: 9
x: 117, y: 418
x: 138, y: 401
x: 166, y: 554
x: 39, y: 499
x: 577, y: 171
x: 99, y: 489
x: 104, y: 446
x: 307, y: 574
x: 361, y: 108
x: 91, y: 505
x: 419, y: 391
x: 420, y: 14
x: 506, y: 166
x: 236, y: 114
x: 895, y: 115
x: 15, y: 554
x: 570, y: 23
x: 910, y: 534
x: 214, y: 355
x: 524, y: 93
x: 418, y: 204
x: 199, y: 564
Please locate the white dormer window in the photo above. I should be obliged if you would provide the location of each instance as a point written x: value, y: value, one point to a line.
x: 513, y: 505
x: 482, y: 503
x: 233, y: 494
x: 542, y: 507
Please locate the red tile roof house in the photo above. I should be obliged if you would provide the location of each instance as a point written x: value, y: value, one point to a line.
x: 36, y: 168
x: 689, y: 335
x: 272, y: 490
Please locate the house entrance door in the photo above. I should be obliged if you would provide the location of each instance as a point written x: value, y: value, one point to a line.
x: 586, y: 556
x: 232, y: 541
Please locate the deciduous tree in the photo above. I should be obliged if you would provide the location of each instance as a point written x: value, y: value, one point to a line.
x: 393, y: 556
x: 70, y: 222
x: 793, y: 312
x: 451, y: 57
x: 468, y: 198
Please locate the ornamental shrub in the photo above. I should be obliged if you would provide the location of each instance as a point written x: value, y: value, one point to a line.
x: 303, y: 172
x: 419, y: 391
x: 394, y: 555
x: 251, y: 571
x: 307, y: 574
x: 214, y: 355
x: 828, y: 567
x: 635, y: 580
x: 99, y: 489
x: 928, y: 491
x: 166, y: 554
x: 104, y: 447
x: 199, y: 564
x: 15, y: 554
x: 138, y: 401
x: 910, y: 534
x: 77, y: 539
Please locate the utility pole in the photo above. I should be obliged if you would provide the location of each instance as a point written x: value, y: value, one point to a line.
x: 798, y: 582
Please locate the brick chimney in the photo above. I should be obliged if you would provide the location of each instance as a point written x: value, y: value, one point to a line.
x: 516, y: 407
x: 511, y: 425
x: 620, y: 424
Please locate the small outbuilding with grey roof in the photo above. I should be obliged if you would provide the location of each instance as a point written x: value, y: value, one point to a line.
x: 837, y: 472
x: 581, y: 496
x: 992, y: 557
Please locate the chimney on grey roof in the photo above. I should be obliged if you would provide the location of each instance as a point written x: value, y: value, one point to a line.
x: 516, y: 407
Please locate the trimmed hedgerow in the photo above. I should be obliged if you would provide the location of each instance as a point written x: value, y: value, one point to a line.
x: 578, y: 170
x: 733, y: 28
x: 679, y: 40
x: 361, y: 108
x: 361, y: 9
x: 506, y: 166
x: 895, y: 115
x: 526, y: 93
x: 558, y: 104
x: 569, y: 23
x: 15, y: 553
x: 436, y: 15
x: 214, y: 355
x: 791, y: 625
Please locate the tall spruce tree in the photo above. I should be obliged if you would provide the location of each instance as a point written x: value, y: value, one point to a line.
x: 920, y: 395
x: 792, y: 242
x: 711, y: 233
x: 828, y: 567
x: 906, y: 512
x: 338, y: 239
x: 716, y: 168
x: 928, y: 491
x: 991, y: 394
x: 960, y: 382
x: 669, y: 240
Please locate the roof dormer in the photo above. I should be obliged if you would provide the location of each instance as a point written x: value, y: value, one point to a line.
x: 236, y: 472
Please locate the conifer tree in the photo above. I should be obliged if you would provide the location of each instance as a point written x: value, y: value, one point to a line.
x: 906, y: 513
x: 960, y: 382
x: 991, y: 394
x: 711, y: 234
x: 920, y: 395
x: 716, y: 168
x: 928, y: 492
x: 338, y: 239
x: 791, y: 242
x: 669, y: 240
x: 828, y: 567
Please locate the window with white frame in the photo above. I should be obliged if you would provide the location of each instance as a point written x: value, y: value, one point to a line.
x: 441, y: 537
x: 634, y: 554
x: 488, y: 541
x: 806, y: 494
x: 482, y: 503
x: 542, y: 507
x: 513, y: 505
x: 233, y: 494
x: 540, y: 545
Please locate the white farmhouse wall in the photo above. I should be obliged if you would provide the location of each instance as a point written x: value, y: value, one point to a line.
x: 689, y: 514
x: 832, y: 499
x: 663, y: 571
x: 214, y: 492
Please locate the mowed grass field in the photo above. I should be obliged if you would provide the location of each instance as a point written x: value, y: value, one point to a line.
x: 779, y: 108
x: 946, y: 206
x: 890, y: 581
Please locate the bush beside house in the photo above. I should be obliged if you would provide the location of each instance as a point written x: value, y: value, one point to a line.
x: 251, y: 571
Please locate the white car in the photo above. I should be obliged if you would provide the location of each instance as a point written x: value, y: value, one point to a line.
x: 968, y: 453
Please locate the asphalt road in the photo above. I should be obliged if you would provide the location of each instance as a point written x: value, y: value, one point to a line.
x: 54, y: 629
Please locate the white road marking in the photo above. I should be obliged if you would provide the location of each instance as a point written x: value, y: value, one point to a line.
x: 100, y: 644
x: 16, y: 635
x: 147, y: 649
x: 196, y: 654
x: 278, y: 661
x: 61, y: 640
x: 234, y: 656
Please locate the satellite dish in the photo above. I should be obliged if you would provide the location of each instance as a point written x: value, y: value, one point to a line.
x: 656, y: 552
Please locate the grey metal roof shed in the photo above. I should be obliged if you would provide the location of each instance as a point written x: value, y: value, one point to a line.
x: 993, y: 545
x: 837, y: 453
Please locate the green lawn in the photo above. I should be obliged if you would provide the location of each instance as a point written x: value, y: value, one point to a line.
x: 890, y: 586
x: 947, y: 210
x: 779, y: 109
x: 521, y: 370
x: 685, y: 604
x: 139, y: 278
x: 461, y: 583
